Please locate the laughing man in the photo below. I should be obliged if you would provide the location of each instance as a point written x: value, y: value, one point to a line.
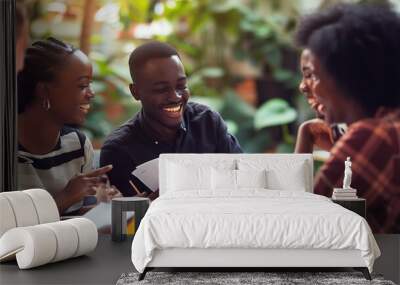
x: 167, y: 122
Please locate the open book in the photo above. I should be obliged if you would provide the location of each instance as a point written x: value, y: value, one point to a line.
x: 148, y: 174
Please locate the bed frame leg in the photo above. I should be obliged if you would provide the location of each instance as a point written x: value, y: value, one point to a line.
x: 143, y: 274
x: 364, y: 271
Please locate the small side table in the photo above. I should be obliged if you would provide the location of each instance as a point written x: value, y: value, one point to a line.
x: 119, y: 207
x: 357, y: 205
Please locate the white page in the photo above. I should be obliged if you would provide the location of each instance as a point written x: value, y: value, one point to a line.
x: 148, y: 174
x: 101, y: 215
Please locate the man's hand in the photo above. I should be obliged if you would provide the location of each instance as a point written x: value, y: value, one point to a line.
x: 151, y: 196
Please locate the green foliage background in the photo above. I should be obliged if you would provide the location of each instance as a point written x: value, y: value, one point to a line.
x: 222, y: 44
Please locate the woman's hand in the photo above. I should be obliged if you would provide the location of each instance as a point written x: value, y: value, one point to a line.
x: 315, y: 132
x: 105, y: 193
x: 80, y: 186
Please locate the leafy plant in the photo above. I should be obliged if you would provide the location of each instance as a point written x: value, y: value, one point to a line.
x: 110, y: 85
x: 265, y: 39
x: 275, y: 112
x: 253, y: 126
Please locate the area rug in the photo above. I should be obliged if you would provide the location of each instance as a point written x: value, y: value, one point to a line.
x: 243, y: 278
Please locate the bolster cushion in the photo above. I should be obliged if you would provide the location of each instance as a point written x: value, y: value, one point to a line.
x: 26, y: 208
x: 40, y: 244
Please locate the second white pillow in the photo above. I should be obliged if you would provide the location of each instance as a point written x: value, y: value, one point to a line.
x: 279, y: 180
x: 251, y: 178
x: 223, y: 179
x: 236, y: 179
x: 183, y: 178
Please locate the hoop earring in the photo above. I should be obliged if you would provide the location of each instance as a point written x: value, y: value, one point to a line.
x: 46, y: 104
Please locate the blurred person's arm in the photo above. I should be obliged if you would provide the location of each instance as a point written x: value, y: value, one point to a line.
x: 83, y: 184
x: 314, y: 132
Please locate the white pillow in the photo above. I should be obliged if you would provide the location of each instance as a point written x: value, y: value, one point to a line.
x: 199, y: 161
x: 227, y: 179
x: 281, y: 180
x: 223, y: 179
x: 281, y: 174
x: 182, y: 177
x: 251, y: 178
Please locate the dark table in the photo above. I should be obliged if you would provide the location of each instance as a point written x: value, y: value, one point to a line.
x: 104, y: 265
x: 110, y: 259
x: 357, y: 205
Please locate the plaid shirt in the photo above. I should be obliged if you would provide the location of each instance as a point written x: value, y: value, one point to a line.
x: 374, y: 147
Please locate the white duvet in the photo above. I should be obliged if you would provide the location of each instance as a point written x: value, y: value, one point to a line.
x: 252, y: 218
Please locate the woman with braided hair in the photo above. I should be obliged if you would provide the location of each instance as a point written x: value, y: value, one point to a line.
x: 53, y: 93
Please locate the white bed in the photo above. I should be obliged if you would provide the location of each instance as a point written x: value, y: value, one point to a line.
x: 219, y: 224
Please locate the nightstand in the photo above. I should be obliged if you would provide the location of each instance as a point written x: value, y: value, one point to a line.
x: 357, y: 205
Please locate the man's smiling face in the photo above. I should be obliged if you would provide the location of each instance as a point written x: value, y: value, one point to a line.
x: 161, y: 86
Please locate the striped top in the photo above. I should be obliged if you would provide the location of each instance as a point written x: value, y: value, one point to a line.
x: 72, y: 155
